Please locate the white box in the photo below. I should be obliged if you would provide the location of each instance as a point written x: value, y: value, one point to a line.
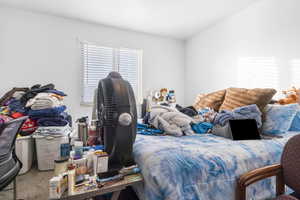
x: 24, y: 151
x: 48, y: 150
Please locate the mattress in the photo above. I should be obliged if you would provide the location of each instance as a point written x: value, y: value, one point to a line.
x: 203, y: 166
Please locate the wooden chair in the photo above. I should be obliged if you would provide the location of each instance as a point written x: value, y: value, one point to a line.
x: 286, y: 173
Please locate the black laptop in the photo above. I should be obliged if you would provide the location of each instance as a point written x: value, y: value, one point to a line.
x: 244, y: 129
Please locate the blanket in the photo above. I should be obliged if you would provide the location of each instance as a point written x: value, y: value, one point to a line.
x: 203, y: 166
x: 44, y: 101
x: 244, y: 112
x: 171, y: 121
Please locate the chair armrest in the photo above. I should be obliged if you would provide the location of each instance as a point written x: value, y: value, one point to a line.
x: 257, y: 175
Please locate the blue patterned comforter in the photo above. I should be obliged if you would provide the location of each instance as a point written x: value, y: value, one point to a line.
x: 203, y: 167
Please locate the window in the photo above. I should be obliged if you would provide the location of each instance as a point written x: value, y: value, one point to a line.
x: 98, y: 61
x: 258, y: 72
x: 295, y: 73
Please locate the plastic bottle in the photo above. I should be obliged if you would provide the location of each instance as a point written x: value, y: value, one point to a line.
x: 71, y: 179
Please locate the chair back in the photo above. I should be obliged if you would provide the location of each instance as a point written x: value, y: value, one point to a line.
x: 290, y: 161
x: 10, y: 165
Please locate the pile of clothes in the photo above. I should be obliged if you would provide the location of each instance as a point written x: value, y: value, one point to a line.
x: 179, y: 121
x: 43, y: 105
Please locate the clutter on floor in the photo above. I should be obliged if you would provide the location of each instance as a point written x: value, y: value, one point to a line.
x: 48, y: 123
x: 50, y: 127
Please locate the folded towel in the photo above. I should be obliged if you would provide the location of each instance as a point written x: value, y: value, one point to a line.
x: 44, y: 101
x: 52, y: 121
x: 49, y: 112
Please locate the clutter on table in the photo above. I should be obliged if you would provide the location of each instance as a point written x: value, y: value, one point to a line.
x: 79, y: 173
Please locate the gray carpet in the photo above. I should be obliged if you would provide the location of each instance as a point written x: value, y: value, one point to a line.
x: 31, y: 186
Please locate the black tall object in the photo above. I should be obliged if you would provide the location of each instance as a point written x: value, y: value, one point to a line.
x: 117, y: 118
x: 10, y: 165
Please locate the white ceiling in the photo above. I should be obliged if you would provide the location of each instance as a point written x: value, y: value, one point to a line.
x: 175, y: 18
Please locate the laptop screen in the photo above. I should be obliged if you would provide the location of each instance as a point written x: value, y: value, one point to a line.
x: 244, y: 129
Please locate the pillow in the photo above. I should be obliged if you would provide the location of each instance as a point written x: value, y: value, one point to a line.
x: 212, y: 100
x: 296, y: 123
x: 278, y: 118
x: 238, y: 97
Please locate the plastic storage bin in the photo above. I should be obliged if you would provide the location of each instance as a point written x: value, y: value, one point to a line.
x: 48, y: 150
x: 24, y: 151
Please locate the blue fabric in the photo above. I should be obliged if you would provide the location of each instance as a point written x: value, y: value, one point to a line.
x: 49, y: 112
x: 278, y: 118
x: 202, y: 127
x: 17, y: 106
x: 145, y: 129
x: 203, y: 166
x: 296, y: 123
x: 244, y: 112
x: 52, y: 121
x: 54, y: 91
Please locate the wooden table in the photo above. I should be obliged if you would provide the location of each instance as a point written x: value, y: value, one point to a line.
x: 115, y: 189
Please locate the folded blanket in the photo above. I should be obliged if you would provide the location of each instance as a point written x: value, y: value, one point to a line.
x: 49, y: 112
x: 54, y: 130
x: 171, y: 121
x: 34, y: 90
x: 244, y: 112
x: 44, y: 101
x: 52, y: 121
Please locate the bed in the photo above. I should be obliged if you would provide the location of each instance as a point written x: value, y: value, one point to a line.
x: 203, y: 166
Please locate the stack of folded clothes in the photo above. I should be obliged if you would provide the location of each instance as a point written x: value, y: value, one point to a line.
x: 43, y: 104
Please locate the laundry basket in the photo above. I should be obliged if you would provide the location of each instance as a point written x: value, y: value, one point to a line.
x: 24, y: 151
x: 48, y: 150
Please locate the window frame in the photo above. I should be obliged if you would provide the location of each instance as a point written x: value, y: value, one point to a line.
x: 138, y: 94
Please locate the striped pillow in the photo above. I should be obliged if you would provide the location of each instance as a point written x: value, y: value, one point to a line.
x: 212, y: 100
x: 237, y: 97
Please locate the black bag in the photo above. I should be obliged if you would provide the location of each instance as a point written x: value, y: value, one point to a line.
x: 10, y: 165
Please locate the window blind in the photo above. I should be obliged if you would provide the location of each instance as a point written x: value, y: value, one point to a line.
x: 128, y: 68
x: 295, y: 73
x: 258, y: 72
x: 98, y: 61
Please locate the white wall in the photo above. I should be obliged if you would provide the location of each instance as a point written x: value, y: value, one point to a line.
x: 270, y: 28
x: 37, y: 48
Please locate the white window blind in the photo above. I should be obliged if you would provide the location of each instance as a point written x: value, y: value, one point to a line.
x: 98, y: 61
x: 295, y: 73
x: 258, y: 72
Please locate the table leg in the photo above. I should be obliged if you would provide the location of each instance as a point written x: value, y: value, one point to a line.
x: 115, y: 195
